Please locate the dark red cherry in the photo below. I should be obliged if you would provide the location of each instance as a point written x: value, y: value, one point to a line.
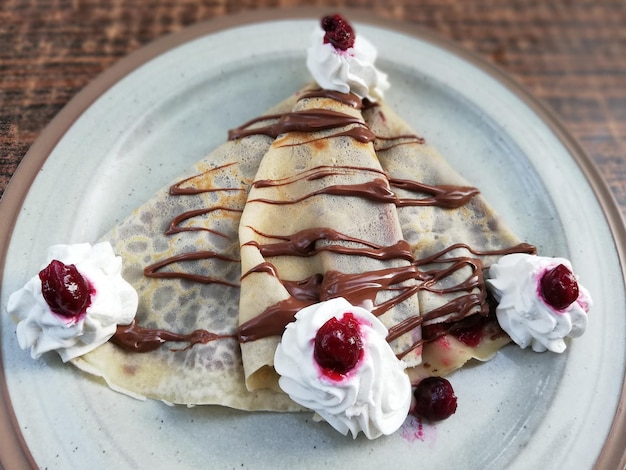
x: 559, y: 287
x: 434, y: 399
x: 64, y: 289
x: 338, y: 344
x: 338, y: 32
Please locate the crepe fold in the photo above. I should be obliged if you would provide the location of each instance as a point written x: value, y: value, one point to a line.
x: 316, y: 199
x: 180, y: 252
x: 455, y: 235
x: 319, y: 218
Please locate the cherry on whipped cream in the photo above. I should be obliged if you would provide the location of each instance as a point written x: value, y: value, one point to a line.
x: 559, y: 287
x: 338, y: 345
x: 338, y: 32
x: 434, y: 399
x: 64, y: 289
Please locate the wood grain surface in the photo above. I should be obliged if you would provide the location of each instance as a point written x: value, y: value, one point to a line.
x: 569, y: 53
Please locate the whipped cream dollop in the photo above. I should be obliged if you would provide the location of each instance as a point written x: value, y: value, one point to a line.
x: 350, y: 70
x: 373, y: 397
x: 524, y: 313
x: 113, y: 301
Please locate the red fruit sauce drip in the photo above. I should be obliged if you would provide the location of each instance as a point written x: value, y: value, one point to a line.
x: 469, y: 331
x: 470, y: 336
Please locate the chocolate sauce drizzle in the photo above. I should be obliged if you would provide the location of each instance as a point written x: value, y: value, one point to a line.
x: 448, y: 196
x: 378, y: 189
x: 191, y: 186
x: 135, y: 338
x: 358, y: 288
x: 174, y: 226
x: 313, y: 120
x: 362, y: 288
x: 395, y: 141
x: 153, y: 270
x: 349, y: 99
x: 183, y: 187
x: 303, y: 244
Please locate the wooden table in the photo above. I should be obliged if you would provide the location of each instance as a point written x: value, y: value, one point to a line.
x: 571, y: 54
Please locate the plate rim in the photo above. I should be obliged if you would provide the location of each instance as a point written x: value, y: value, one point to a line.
x: 13, y: 447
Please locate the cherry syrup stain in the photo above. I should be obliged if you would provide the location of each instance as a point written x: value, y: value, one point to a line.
x: 413, y: 429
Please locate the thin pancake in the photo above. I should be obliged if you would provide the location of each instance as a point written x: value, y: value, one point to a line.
x: 200, y: 212
x: 193, y: 297
x: 319, y: 217
x: 454, y: 235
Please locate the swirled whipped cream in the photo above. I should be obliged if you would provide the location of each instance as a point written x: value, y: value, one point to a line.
x: 528, y: 313
x: 112, y: 301
x: 345, y: 70
x: 373, y: 396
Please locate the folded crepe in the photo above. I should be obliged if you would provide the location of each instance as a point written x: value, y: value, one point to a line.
x: 282, y: 216
x: 320, y: 222
x: 454, y: 235
x: 181, y: 253
x: 313, y: 195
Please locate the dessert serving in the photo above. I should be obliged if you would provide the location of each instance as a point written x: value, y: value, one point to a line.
x: 324, y: 258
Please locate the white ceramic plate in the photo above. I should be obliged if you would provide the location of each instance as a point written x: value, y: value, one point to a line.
x: 161, y: 109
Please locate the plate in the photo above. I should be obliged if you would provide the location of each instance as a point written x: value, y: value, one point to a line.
x: 159, y: 110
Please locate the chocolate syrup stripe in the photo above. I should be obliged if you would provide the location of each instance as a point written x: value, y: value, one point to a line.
x: 174, y: 226
x: 316, y: 173
x: 376, y: 190
x: 357, y: 288
x: 456, y: 310
x: 179, y: 189
x: 314, y: 120
x: 303, y: 244
x: 135, y: 338
x: 475, y: 280
x: 153, y: 271
x: 307, y: 289
x: 362, y: 288
x: 395, y: 141
x: 459, y: 308
x: 440, y: 257
x: 309, y: 120
x: 349, y: 99
x: 446, y: 196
